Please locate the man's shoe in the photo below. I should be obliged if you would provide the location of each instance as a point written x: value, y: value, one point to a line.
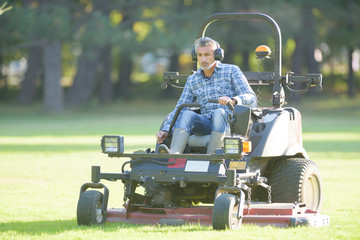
x: 163, y: 149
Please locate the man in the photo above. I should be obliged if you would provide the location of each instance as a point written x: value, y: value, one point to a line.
x: 213, y: 80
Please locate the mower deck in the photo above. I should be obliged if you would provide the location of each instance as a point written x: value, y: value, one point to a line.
x: 262, y: 214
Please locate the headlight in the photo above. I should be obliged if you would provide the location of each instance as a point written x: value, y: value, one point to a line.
x: 112, y: 144
x: 234, y: 145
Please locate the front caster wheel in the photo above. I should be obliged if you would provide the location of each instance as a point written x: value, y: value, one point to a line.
x: 225, y: 212
x: 89, y: 209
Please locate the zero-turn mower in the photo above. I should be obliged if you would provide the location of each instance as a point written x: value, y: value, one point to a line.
x: 262, y: 175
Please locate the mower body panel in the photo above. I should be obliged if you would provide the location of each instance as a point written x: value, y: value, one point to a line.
x: 189, y: 170
x: 278, y: 133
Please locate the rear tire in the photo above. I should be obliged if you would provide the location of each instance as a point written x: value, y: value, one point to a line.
x: 296, y: 180
x: 225, y: 211
x: 89, y: 209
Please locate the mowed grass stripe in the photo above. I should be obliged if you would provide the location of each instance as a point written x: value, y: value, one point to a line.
x: 339, y: 136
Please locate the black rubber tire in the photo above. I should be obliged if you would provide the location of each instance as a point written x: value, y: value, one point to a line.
x: 296, y: 180
x: 89, y: 208
x: 224, y: 215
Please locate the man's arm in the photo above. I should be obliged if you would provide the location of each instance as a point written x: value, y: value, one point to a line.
x: 245, y: 94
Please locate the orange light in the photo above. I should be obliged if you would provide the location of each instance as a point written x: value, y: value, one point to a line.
x: 247, y: 146
x: 262, y: 48
x: 263, y: 51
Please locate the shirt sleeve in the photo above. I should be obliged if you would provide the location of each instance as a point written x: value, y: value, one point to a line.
x: 187, y: 96
x: 245, y: 94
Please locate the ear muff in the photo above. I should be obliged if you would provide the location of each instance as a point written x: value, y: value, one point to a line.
x: 193, y: 55
x: 218, y: 53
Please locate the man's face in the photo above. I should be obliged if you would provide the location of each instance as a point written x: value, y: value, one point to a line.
x: 205, y: 56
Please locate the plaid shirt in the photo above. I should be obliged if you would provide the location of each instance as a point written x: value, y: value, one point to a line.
x: 227, y: 80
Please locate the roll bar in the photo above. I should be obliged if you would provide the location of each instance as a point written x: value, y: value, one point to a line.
x: 250, y: 16
x: 257, y: 78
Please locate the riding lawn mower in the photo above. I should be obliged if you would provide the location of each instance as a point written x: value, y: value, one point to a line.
x: 261, y: 175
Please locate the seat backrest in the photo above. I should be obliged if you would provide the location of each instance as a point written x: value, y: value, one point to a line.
x: 241, y: 120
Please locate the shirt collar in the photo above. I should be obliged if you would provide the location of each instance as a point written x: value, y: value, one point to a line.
x: 218, y: 65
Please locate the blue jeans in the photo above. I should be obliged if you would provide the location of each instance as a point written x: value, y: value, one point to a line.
x: 197, y: 124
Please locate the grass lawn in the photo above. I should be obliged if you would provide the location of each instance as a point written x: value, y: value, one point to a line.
x: 46, y: 158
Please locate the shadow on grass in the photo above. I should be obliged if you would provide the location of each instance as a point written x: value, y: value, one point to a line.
x: 46, y: 147
x: 53, y: 227
x: 56, y: 148
x: 39, y: 227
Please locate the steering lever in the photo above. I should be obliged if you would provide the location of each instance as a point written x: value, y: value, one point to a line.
x: 231, y: 107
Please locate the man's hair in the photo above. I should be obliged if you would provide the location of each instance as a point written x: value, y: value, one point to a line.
x: 205, y: 41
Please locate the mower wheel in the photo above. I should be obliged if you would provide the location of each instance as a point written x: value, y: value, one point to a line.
x: 225, y: 210
x: 89, y: 208
x: 297, y: 180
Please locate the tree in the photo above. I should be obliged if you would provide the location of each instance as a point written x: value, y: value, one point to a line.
x: 53, y: 92
x: 303, y: 60
x: 106, y: 86
x: 94, y: 37
x: 107, y: 37
x: 128, y: 49
x: 341, y: 18
x: 34, y: 71
x: 36, y: 26
x: 56, y: 31
x: 35, y: 68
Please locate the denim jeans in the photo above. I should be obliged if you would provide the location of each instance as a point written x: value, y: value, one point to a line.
x: 195, y: 123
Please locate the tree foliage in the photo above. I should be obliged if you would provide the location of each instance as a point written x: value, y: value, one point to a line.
x: 108, y: 47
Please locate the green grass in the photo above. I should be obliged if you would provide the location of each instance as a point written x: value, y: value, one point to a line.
x: 46, y: 158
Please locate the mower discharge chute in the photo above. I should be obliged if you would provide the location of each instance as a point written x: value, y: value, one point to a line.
x: 262, y: 174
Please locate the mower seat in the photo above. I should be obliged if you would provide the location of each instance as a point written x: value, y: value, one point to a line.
x: 243, y: 116
x: 199, y: 140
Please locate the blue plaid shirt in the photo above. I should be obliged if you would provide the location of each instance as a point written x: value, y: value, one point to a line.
x: 227, y: 80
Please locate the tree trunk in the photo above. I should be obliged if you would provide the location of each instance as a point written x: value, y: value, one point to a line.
x: 106, y: 86
x: 84, y: 83
x: 53, y: 92
x: 351, y: 78
x: 125, y: 70
x: 351, y: 28
x: 33, y: 72
x: 309, y: 32
x: 297, y: 65
x: 85, y: 80
x: 28, y: 85
x: 3, y: 81
x: 304, y: 52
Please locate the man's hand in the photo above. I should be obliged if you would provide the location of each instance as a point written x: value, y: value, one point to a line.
x: 161, y: 136
x: 224, y: 100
